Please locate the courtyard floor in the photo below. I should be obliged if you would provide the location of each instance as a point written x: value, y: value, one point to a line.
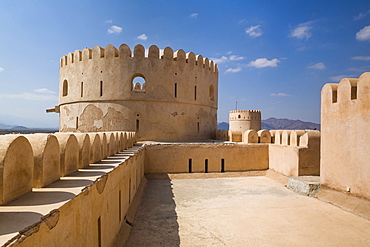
x: 240, y: 211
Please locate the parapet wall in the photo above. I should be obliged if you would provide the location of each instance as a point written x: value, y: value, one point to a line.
x: 345, y: 120
x: 164, y: 96
x: 86, y: 208
x: 295, y: 152
x: 36, y: 160
x: 205, y: 158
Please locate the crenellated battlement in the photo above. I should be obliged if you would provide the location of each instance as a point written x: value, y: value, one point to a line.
x: 105, y: 89
x: 347, y: 90
x: 48, y: 157
x: 124, y: 52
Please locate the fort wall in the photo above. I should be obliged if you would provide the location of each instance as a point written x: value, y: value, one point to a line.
x: 345, y: 151
x: 164, y: 96
x: 291, y: 159
x: 205, y: 158
x: 87, y: 207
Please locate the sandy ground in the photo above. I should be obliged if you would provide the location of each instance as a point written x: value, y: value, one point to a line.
x: 240, y: 211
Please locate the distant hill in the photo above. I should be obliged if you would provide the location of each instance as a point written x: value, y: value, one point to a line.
x: 12, y: 127
x: 282, y: 123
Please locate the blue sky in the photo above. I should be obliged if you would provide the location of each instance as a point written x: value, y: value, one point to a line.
x: 273, y: 56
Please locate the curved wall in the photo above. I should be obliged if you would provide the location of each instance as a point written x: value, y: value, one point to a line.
x: 168, y: 96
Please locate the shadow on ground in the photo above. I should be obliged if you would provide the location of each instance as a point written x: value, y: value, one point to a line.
x: 156, y: 219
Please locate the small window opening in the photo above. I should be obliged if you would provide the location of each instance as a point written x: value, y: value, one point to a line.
x: 137, y: 125
x: 206, y: 165
x: 101, y: 88
x: 175, y: 90
x: 82, y: 89
x: 65, y: 88
x: 198, y: 127
x: 354, y: 92
x: 222, y: 165
x: 76, y: 123
x: 119, y: 206
x: 195, y: 92
x: 138, y: 84
x: 334, y: 99
x: 190, y: 165
x: 211, y: 92
x: 129, y: 191
x: 99, y: 232
x: 239, y: 116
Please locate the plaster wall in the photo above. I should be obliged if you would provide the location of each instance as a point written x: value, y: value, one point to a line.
x: 16, y: 168
x: 345, y: 150
x: 95, y: 216
x: 178, y: 100
x: 237, y: 157
x: 46, y: 152
x: 294, y: 160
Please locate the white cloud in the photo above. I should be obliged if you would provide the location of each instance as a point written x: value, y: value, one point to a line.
x: 319, y: 66
x: 254, y: 31
x: 337, y: 78
x: 142, y: 37
x: 302, y: 31
x: 280, y: 94
x: 235, y: 58
x: 194, y: 15
x: 1, y: 69
x: 363, y: 58
x: 114, y: 29
x: 231, y: 70
x: 361, y: 15
x: 109, y: 21
x: 29, y: 96
x: 220, y: 60
x: 263, y: 62
x: 43, y: 90
x: 363, y: 34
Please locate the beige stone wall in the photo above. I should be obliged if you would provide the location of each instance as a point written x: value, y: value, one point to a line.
x: 16, y: 167
x: 345, y: 150
x: 95, y: 215
x: 299, y: 155
x: 98, y: 92
x: 175, y: 157
x: 36, y: 160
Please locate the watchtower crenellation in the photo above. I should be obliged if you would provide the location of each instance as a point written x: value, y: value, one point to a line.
x: 162, y: 95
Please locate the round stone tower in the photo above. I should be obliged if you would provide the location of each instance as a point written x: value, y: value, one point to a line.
x: 164, y: 95
x: 243, y: 120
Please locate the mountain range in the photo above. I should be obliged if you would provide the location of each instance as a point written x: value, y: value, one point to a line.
x: 280, y: 123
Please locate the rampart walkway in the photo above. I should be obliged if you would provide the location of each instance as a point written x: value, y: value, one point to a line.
x: 240, y: 211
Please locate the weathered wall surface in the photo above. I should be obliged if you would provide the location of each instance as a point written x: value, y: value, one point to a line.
x: 177, y: 99
x: 16, y: 167
x: 345, y: 149
x: 176, y: 157
x: 292, y: 159
x: 93, y: 217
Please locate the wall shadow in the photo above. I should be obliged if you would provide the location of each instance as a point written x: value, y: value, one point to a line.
x: 35, y: 198
x: 13, y: 222
x: 155, y: 221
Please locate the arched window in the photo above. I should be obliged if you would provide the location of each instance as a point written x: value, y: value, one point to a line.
x: 211, y: 92
x: 138, y: 83
x: 65, y: 88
